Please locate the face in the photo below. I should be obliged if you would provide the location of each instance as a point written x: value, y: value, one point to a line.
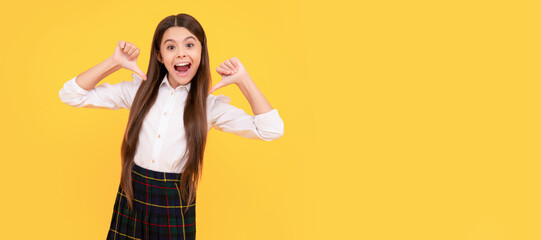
x: 180, y: 46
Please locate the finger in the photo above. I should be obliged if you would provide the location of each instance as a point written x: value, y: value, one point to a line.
x: 226, y: 69
x: 134, y: 54
x: 216, y: 87
x: 222, y: 70
x: 127, y: 47
x: 235, y: 62
x: 122, y: 44
x: 140, y: 73
x: 224, y: 66
x: 132, y: 50
x: 230, y: 65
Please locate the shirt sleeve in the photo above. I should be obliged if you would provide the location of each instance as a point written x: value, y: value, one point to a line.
x: 102, y: 96
x: 228, y: 118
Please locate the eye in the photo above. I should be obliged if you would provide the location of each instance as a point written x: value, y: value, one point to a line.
x: 190, y: 44
x: 168, y: 47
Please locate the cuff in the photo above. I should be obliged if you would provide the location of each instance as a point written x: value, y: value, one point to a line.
x: 71, y: 85
x: 269, y: 125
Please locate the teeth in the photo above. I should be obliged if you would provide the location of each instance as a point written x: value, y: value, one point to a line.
x: 182, y: 64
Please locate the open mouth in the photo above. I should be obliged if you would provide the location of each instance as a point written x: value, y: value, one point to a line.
x: 182, y: 70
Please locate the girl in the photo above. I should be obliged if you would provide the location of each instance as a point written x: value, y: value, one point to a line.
x: 171, y: 113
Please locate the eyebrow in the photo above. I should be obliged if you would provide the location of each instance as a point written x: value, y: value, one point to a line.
x: 174, y: 40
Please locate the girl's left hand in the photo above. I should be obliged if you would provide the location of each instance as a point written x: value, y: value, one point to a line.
x: 232, y: 71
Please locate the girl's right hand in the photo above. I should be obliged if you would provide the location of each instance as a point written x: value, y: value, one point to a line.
x: 126, y: 56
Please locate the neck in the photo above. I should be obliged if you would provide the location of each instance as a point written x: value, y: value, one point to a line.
x: 173, y: 83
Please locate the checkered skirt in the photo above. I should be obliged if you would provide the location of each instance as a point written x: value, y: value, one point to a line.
x: 158, y: 212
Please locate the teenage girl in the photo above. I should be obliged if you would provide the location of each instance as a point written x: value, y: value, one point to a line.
x: 171, y: 111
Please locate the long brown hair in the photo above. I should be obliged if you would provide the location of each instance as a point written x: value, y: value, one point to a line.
x: 195, y: 118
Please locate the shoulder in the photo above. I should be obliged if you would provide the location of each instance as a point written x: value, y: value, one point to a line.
x: 214, y: 100
x: 216, y: 105
x: 136, y: 80
x: 131, y: 87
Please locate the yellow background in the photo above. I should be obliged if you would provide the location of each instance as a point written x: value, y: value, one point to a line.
x: 403, y: 119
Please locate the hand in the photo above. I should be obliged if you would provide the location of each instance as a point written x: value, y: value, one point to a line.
x: 125, y: 55
x: 232, y: 71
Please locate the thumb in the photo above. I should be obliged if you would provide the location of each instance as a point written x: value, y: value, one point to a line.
x: 140, y: 72
x: 216, y: 87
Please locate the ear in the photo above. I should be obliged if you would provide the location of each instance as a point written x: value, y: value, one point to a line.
x: 159, y: 57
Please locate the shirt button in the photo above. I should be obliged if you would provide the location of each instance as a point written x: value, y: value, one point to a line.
x: 158, y: 135
x: 164, y: 113
x: 171, y: 93
x: 153, y: 160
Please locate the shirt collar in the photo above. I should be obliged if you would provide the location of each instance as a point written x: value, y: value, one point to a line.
x: 166, y: 82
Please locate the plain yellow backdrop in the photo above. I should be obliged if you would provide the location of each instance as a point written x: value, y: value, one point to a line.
x: 403, y: 119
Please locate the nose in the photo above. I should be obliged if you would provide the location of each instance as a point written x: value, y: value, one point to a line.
x: 181, y: 54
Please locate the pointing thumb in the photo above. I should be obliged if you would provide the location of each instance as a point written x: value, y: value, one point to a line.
x: 216, y: 87
x: 140, y: 73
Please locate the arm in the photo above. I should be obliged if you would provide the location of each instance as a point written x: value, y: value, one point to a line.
x: 81, y: 91
x: 89, y: 78
x: 124, y: 56
x: 266, y: 124
x: 228, y: 118
x: 233, y: 71
x: 102, y: 96
x: 255, y: 97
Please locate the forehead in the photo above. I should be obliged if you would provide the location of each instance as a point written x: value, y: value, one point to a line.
x: 177, y: 34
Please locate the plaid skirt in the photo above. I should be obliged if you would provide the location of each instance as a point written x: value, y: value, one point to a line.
x: 158, y: 212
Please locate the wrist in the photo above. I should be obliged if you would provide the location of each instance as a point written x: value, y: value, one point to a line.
x: 112, y: 64
x: 244, y: 81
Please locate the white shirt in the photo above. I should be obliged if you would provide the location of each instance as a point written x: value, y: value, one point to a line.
x: 162, y: 140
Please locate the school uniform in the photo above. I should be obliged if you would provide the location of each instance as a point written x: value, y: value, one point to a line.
x: 158, y: 210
